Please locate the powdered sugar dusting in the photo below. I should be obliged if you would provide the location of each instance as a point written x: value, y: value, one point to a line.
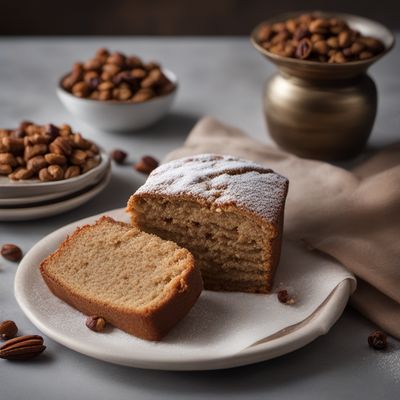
x: 222, y: 180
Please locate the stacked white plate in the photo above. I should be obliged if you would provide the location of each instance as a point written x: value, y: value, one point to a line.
x: 32, y: 199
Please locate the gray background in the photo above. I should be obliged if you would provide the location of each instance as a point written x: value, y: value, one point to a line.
x: 221, y: 77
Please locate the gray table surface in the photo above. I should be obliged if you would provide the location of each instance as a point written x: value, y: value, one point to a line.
x: 220, y: 77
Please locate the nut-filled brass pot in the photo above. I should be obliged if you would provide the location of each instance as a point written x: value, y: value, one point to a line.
x: 322, y: 110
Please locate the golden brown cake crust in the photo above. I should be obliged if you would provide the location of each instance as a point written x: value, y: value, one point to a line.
x: 151, y: 323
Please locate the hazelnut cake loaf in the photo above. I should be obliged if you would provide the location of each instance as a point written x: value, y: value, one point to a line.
x: 137, y: 282
x: 226, y: 211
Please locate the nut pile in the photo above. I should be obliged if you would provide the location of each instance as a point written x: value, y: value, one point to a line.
x: 116, y: 76
x: 313, y: 38
x: 45, y: 152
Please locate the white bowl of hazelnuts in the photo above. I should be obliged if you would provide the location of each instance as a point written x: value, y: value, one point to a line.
x: 116, y: 92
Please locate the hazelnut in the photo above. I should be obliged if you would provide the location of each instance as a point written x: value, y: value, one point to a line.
x: 5, y: 169
x: 105, y: 95
x: 118, y: 156
x: 105, y: 86
x: 81, y: 89
x: 344, y: 39
x: 54, y: 158
x: 89, y: 164
x: 8, y: 330
x: 21, y: 173
x: 143, y: 95
x: 78, y: 157
x: 333, y: 42
x: 264, y: 33
x: 56, y: 172
x: 52, y: 173
x: 138, y: 73
x: 35, y: 150
x: 61, y: 146
x: 36, y: 163
x: 80, y: 142
x: 95, y: 323
x: 8, y: 158
x: 377, y: 340
x: 11, y: 252
x: 146, y: 165
x: 12, y: 145
x: 117, y: 59
x: 365, y: 54
x: 102, y: 53
x: 122, y: 94
x: 72, y: 172
x: 52, y: 131
x: 284, y: 297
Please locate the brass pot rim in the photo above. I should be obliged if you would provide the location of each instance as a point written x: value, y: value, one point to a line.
x: 362, y: 24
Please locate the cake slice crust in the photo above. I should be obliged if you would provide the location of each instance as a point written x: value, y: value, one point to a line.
x: 136, y: 281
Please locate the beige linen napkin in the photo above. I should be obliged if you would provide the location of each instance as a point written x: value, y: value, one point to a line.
x: 354, y: 216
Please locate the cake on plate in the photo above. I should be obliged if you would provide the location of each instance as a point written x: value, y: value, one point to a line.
x: 137, y: 282
x: 226, y: 211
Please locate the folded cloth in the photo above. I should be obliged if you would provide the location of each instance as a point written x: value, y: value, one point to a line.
x: 354, y: 216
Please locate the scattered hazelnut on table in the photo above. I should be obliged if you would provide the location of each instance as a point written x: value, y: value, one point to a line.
x: 95, y: 323
x: 377, y: 340
x: 284, y: 297
x: 146, y: 165
x: 11, y: 252
x: 119, y: 156
x: 8, y: 330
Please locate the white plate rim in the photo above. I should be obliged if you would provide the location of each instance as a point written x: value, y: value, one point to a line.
x: 33, y: 200
x: 319, y: 323
x: 57, y: 207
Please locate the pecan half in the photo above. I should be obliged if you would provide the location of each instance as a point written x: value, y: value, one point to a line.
x: 22, y: 348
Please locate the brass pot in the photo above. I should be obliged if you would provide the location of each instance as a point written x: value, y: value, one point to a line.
x: 321, y: 110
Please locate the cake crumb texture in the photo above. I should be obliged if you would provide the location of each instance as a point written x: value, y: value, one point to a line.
x: 228, y: 212
x: 136, y: 281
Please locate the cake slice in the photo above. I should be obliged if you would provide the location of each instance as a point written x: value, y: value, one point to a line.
x: 137, y: 282
x: 226, y: 211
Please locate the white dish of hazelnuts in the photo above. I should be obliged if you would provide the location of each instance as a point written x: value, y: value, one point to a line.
x: 116, y: 92
x: 46, y: 160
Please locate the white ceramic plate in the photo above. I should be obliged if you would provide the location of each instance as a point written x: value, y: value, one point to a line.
x: 28, y: 188
x: 58, y: 207
x: 65, y: 325
x: 117, y: 116
x: 34, y: 200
